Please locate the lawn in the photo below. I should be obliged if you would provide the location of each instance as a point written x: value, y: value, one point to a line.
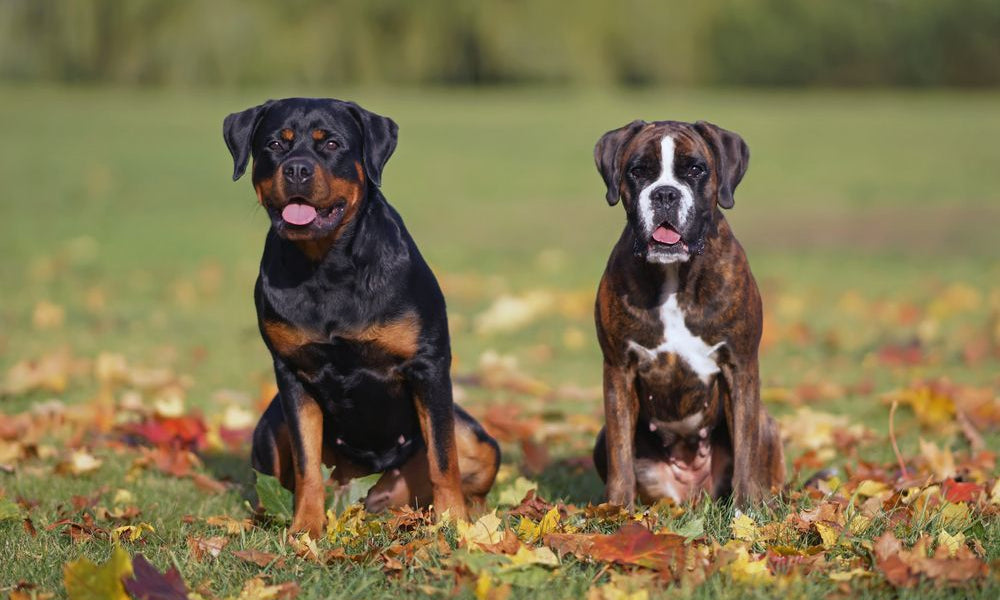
x: 127, y: 260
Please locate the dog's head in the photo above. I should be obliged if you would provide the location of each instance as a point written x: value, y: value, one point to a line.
x: 671, y: 176
x: 314, y: 161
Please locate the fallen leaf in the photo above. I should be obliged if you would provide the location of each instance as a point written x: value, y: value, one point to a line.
x: 130, y: 533
x: 85, y: 580
x: 486, y: 530
x: 147, y: 583
x: 199, y: 548
x: 257, y: 589
x: 259, y: 558
x: 744, y: 528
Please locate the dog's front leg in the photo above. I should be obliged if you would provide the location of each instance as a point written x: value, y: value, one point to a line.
x: 430, y: 383
x: 621, y: 410
x: 742, y: 409
x: 305, y: 430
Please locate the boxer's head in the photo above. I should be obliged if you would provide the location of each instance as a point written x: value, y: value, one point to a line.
x: 671, y: 176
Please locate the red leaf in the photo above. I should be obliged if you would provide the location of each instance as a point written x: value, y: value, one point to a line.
x: 960, y: 491
x: 633, y: 544
x: 147, y: 583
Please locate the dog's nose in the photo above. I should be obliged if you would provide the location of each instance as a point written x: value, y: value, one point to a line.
x: 666, y: 194
x: 298, y: 171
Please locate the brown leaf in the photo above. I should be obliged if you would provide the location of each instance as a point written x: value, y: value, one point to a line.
x: 200, y: 548
x: 261, y: 559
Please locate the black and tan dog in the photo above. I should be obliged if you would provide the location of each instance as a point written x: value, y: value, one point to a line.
x: 679, y: 322
x: 354, y: 319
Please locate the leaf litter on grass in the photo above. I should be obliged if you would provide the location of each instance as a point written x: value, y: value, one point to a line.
x: 870, y: 524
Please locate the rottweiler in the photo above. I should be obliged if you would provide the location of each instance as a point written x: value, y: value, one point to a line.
x: 354, y: 319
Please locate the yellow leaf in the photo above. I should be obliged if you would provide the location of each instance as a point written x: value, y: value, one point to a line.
x: 484, y: 531
x: 483, y: 586
x: 951, y: 542
x: 828, y: 534
x: 87, y: 581
x: 123, y: 497
x: 941, y: 462
x: 995, y: 493
x: 954, y: 514
x: 257, y: 589
x: 536, y: 556
x: 869, y: 488
x: 79, y: 463
x: 130, y: 532
x: 744, y: 528
x: 859, y: 524
x: 744, y: 569
x: 529, y: 531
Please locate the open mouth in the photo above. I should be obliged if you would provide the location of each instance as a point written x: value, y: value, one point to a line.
x: 299, y: 214
x: 665, y: 236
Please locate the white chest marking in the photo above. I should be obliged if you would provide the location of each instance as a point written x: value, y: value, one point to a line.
x: 686, y: 209
x: 678, y: 339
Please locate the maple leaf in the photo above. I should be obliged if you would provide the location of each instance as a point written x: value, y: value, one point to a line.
x: 742, y: 568
x: 531, y: 532
x: 633, y: 544
x: 951, y: 543
x: 744, y: 527
x: 486, y: 530
x: 231, y: 525
x: 147, y: 583
x: 960, y: 491
x: 79, y: 462
x: 85, y: 580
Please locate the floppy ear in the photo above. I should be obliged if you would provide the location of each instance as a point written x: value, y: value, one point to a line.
x: 732, y: 156
x: 608, y: 154
x: 238, y: 130
x: 380, y: 134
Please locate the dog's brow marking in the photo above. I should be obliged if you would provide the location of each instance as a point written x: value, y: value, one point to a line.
x: 667, y: 177
x: 678, y: 339
x: 287, y: 135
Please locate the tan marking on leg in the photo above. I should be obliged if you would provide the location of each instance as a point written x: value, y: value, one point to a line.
x: 410, y: 484
x: 477, y: 461
x: 445, y: 479
x: 309, y: 514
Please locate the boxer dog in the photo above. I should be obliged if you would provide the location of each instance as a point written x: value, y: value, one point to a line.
x: 679, y: 322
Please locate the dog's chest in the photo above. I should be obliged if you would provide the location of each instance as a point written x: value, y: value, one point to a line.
x: 676, y: 361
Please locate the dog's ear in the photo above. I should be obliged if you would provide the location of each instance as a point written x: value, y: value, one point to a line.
x: 238, y: 130
x: 732, y: 156
x: 608, y: 155
x: 379, y: 134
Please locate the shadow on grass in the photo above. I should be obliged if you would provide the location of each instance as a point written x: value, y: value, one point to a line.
x: 571, y: 480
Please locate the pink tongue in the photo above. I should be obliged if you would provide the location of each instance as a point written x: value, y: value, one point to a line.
x: 666, y: 235
x: 298, y: 214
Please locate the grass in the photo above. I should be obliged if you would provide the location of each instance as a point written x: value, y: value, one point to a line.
x: 119, y: 209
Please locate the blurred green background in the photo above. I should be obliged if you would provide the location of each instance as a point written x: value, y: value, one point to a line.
x: 872, y: 126
x: 869, y: 212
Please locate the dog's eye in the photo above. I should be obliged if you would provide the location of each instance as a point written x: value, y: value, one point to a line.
x: 330, y: 145
x: 638, y: 172
x: 274, y: 145
x: 695, y: 171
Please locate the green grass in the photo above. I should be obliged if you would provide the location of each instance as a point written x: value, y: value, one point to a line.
x: 119, y: 207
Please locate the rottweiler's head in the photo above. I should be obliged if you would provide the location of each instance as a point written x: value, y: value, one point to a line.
x: 671, y: 176
x: 314, y: 161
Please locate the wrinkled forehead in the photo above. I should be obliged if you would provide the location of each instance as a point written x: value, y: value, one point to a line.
x: 307, y: 114
x: 648, y: 143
